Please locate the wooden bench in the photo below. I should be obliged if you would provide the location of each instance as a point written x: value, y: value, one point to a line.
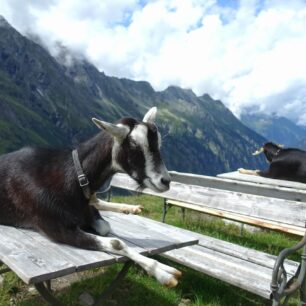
x: 37, y: 260
x: 243, y: 267
x: 289, y: 185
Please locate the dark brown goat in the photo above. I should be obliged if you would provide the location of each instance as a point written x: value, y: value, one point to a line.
x: 286, y: 164
x: 40, y: 187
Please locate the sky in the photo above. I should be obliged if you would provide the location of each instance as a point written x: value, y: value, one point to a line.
x: 250, y: 54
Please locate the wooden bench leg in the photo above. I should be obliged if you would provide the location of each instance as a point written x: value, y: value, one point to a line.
x: 47, y: 295
x: 3, y: 270
x: 165, y: 210
x: 45, y: 291
x: 114, y: 284
x: 183, y: 213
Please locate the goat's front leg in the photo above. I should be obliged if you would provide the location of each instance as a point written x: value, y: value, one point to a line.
x: 250, y: 172
x: 116, y: 207
x: 166, y: 275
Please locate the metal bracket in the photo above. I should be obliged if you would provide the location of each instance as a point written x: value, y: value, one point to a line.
x: 83, y: 181
x: 282, y: 288
x: 165, y: 210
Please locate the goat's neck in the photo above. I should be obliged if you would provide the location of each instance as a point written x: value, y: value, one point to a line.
x: 96, y: 159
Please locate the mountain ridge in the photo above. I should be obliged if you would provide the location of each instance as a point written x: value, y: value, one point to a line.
x: 45, y: 102
x: 276, y: 129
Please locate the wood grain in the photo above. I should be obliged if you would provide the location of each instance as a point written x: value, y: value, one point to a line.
x: 228, y: 182
x: 262, y: 208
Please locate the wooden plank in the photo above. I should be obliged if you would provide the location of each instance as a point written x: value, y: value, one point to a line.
x: 80, y: 258
x: 244, y: 253
x: 228, y: 248
x: 243, y: 274
x: 286, y: 228
x: 223, y: 183
x: 262, y: 180
x: 35, y: 258
x: 155, y: 237
x: 269, y: 209
x: 27, y: 259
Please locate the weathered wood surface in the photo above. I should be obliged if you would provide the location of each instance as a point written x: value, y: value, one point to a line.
x: 244, y: 186
x: 267, y: 209
x: 262, y: 180
x: 286, y: 228
x: 228, y: 248
x: 240, y: 266
x: 237, y: 265
x: 233, y: 270
x: 34, y: 258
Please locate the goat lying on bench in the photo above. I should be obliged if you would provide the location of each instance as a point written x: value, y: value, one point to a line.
x: 287, y: 164
x: 47, y: 190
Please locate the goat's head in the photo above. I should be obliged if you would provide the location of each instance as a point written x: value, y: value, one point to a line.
x: 136, y: 150
x: 270, y: 150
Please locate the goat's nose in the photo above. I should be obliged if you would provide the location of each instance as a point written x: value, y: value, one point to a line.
x: 165, y: 181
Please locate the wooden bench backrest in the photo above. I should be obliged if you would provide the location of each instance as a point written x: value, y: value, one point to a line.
x: 235, y: 175
x: 264, y: 210
x: 235, y: 181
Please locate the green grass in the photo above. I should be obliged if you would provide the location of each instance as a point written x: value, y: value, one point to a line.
x: 139, y: 289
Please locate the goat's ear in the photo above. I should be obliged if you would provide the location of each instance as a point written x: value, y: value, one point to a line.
x: 150, y: 116
x: 119, y: 131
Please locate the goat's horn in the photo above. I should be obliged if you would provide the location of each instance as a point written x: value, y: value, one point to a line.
x: 280, y: 145
x: 259, y: 151
x: 150, y: 115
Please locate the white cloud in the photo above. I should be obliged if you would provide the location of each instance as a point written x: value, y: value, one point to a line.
x: 249, y: 56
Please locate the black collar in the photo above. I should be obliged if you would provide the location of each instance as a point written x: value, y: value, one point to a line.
x: 83, y: 181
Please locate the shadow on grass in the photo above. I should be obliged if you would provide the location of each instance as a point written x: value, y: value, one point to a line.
x: 136, y: 289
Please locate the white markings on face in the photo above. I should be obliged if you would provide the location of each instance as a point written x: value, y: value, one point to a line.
x: 154, y: 173
x: 116, y: 148
x: 140, y: 135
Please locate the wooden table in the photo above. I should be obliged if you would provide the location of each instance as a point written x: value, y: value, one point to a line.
x: 36, y: 259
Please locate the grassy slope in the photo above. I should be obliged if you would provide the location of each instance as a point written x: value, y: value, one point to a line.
x: 139, y: 289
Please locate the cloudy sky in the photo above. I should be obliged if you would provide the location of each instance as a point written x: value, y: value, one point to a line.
x: 251, y: 54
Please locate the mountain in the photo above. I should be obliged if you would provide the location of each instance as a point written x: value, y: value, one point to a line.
x: 49, y: 101
x: 277, y: 129
x: 301, y: 144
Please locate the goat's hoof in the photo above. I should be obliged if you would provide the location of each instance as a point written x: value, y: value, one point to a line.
x: 171, y: 283
x: 177, y: 274
x: 138, y: 209
x: 132, y: 209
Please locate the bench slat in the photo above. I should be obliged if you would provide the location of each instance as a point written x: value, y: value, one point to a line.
x: 34, y: 258
x: 224, y: 183
x: 235, y: 175
x: 228, y: 248
x: 240, y: 218
x: 278, y: 210
x: 28, y: 259
x: 149, y: 234
x: 235, y: 271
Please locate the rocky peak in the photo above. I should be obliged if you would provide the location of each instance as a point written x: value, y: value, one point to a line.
x: 4, y: 23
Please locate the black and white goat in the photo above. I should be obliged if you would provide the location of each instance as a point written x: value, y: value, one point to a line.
x: 286, y: 164
x: 40, y: 187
